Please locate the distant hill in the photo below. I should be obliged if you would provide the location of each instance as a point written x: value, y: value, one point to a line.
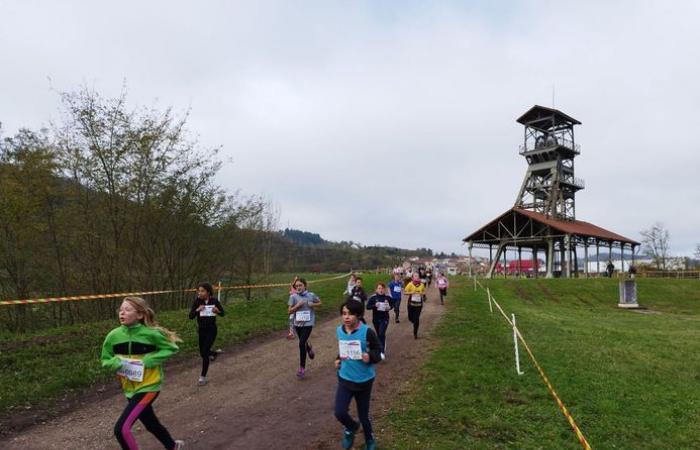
x: 303, y: 237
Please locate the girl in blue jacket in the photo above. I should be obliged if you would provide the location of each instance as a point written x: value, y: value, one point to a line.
x: 359, y: 349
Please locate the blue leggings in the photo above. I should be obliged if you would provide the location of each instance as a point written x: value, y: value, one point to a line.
x: 343, y: 397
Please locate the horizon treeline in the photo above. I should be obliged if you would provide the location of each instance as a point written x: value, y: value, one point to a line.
x: 111, y: 199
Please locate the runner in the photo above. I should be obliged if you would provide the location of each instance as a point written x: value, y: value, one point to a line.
x: 205, y: 308
x: 358, y: 350
x: 415, y: 290
x: 429, y: 276
x: 396, y: 289
x: 442, y: 285
x: 351, y: 284
x: 302, y: 305
x: 380, y: 304
x: 136, y: 350
x: 292, y: 291
x: 358, y: 293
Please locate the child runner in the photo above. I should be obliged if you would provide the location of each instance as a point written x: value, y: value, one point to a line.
x: 292, y: 291
x: 205, y: 308
x: 442, y: 285
x: 351, y: 284
x: 380, y: 304
x: 396, y: 289
x: 136, y: 350
x: 302, y: 304
x: 416, y: 296
x: 358, y: 350
x: 358, y: 293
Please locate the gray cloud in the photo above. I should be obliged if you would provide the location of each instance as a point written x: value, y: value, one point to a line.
x: 392, y: 124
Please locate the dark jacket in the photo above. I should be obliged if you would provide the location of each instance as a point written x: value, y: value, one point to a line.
x: 372, y: 304
x: 204, y: 321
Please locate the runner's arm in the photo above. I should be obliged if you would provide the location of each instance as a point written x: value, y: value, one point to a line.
x: 218, y: 306
x: 165, y: 349
x: 108, y: 359
x: 194, y: 309
x: 375, y: 347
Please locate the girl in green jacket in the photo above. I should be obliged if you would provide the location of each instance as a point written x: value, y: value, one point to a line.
x: 135, y: 351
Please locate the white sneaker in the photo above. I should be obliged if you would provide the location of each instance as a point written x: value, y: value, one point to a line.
x: 202, y: 381
x: 383, y: 356
x: 179, y: 445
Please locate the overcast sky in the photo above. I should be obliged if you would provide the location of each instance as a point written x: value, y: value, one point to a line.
x: 391, y: 122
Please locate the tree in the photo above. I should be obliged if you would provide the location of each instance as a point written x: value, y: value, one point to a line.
x: 655, y: 244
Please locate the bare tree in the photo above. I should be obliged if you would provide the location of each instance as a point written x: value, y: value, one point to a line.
x: 655, y: 244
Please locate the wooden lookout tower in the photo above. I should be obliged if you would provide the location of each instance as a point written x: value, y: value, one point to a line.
x: 549, y: 186
x: 543, y: 218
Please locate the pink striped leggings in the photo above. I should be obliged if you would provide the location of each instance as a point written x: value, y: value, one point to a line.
x: 140, y: 407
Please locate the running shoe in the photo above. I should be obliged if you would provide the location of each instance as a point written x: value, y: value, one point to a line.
x: 215, y: 354
x: 371, y: 445
x: 383, y: 356
x: 300, y: 373
x: 348, y: 439
x: 202, y: 381
x: 179, y: 445
x: 310, y: 351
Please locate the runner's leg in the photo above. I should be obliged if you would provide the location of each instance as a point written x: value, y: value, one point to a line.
x: 343, y: 396
x: 303, y: 333
x: 150, y: 421
x: 362, y: 399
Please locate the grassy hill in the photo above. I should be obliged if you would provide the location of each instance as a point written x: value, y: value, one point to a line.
x: 630, y: 379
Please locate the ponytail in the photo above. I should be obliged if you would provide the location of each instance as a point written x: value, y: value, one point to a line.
x: 149, y: 318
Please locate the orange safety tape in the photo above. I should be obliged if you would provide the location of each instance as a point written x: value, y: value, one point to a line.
x: 564, y: 410
x: 127, y: 294
x: 87, y: 297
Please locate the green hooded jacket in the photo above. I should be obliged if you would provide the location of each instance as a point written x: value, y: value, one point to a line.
x: 138, y: 342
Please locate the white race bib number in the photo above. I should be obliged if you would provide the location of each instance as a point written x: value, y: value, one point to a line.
x: 303, y: 316
x: 416, y: 298
x: 397, y: 288
x: 350, y: 349
x: 383, y: 306
x: 131, y: 369
x: 208, y: 311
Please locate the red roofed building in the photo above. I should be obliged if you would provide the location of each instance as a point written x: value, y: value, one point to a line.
x: 543, y: 219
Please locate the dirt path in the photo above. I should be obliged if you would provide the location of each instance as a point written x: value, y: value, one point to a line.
x: 253, y: 399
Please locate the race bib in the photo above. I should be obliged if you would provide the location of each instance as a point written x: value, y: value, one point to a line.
x: 416, y: 298
x: 397, y: 288
x: 383, y: 306
x: 350, y: 349
x: 303, y: 316
x: 208, y: 311
x: 131, y: 369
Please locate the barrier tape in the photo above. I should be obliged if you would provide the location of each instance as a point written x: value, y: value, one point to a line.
x: 133, y: 294
x: 560, y: 403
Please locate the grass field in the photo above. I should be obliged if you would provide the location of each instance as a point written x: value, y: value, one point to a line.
x: 630, y: 379
x: 38, y: 367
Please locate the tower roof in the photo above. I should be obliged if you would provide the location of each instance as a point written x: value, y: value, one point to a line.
x: 544, y: 118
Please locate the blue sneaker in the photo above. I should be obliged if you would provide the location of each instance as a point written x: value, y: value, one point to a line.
x: 348, y: 439
x: 371, y: 445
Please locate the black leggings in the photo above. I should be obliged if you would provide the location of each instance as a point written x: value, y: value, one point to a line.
x: 303, y: 333
x: 414, y: 317
x: 343, y: 397
x: 140, y: 407
x: 207, y: 336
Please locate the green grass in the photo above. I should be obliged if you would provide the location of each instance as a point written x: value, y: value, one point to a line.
x: 38, y: 367
x: 630, y: 380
